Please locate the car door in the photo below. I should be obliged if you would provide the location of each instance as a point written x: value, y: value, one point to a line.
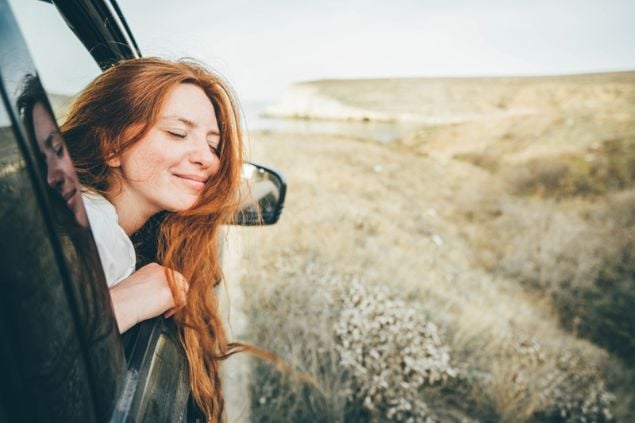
x: 60, y: 345
x: 61, y: 351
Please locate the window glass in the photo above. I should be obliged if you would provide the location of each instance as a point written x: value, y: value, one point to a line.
x: 60, y: 300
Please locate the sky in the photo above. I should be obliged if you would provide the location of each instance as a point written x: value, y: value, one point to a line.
x: 261, y: 47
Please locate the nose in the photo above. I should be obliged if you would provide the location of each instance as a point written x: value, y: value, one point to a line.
x: 55, y: 178
x: 203, y: 156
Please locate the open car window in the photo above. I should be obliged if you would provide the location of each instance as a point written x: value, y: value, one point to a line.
x: 63, y: 63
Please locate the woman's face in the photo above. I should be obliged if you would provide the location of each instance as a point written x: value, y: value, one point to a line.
x: 169, y: 167
x: 61, y: 175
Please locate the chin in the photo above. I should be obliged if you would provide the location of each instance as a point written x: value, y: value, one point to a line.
x: 185, y: 204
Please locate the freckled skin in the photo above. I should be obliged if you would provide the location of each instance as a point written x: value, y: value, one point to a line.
x: 167, y: 168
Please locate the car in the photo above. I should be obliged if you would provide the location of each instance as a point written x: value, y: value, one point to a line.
x: 61, y: 355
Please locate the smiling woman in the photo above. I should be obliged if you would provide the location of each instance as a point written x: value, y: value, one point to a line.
x: 170, y: 165
x: 40, y: 124
x: 150, y: 136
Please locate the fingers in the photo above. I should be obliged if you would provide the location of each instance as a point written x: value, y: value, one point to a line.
x: 171, y: 288
x: 151, y: 291
x: 179, y: 293
x: 180, y: 289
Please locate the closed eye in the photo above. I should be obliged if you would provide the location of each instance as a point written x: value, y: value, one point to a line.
x: 214, y: 150
x: 176, y: 134
x: 58, y: 149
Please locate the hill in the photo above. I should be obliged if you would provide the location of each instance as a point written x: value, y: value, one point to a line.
x: 509, y: 227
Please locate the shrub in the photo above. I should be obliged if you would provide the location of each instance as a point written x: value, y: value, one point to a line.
x: 604, y: 310
x: 485, y: 159
x: 370, y: 357
x: 537, y: 382
x: 574, y: 392
x: 392, y: 353
x: 600, y: 169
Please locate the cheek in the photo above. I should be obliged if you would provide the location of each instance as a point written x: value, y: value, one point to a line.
x: 215, y: 166
x: 67, y: 167
x: 142, y: 164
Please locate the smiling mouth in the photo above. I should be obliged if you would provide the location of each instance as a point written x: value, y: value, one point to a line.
x: 68, y: 197
x: 194, y: 181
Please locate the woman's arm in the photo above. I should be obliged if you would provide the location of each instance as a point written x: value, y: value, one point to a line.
x: 146, y: 294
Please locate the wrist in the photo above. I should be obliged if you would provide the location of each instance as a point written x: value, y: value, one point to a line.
x: 126, y: 314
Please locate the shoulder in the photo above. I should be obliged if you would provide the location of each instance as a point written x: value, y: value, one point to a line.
x: 114, y: 246
x: 102, y: 215
x: 98, y: 204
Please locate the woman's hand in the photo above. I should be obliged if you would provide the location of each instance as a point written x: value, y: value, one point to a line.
x: 146, y: 294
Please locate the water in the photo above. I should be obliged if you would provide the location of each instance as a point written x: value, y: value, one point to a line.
x: 381, y: 131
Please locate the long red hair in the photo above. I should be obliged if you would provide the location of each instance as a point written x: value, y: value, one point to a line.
x: 111, y: 114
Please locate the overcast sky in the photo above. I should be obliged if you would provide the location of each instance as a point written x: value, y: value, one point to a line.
x: 263, y: 46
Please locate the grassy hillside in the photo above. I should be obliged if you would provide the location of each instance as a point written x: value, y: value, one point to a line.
x: 473, y: 271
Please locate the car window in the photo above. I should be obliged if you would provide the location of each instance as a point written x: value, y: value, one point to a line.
x: 56, y: 308
x: 44, y: 349
x: 63, y: 63
x: 64, y: 66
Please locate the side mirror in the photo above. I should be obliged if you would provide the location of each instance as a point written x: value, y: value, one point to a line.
x: 262, y: 192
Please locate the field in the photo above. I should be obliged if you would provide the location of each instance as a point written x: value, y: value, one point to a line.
x: 481, y: 268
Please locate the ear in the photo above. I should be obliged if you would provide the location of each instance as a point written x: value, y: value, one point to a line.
x: 113, y: 161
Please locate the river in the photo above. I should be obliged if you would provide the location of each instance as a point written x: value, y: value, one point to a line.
x: 381, y: 131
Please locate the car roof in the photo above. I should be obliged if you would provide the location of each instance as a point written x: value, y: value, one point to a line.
x: 101, y: 27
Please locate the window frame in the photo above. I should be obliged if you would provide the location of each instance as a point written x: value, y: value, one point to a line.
x: 102, y: 29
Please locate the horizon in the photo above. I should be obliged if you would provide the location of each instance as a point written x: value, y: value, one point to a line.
x: 267, y: 102
x: 490, y: 76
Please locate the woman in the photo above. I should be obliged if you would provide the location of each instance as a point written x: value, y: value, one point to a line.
x: 150, y: 136
x: 42, y: 130
x: 79, y: 263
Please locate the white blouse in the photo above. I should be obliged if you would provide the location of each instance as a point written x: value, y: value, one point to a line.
x: 114, y: 246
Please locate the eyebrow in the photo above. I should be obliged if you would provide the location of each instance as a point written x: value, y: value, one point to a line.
x: 189, y: 123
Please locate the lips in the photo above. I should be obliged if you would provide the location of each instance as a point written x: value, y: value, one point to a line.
x: 195, y: 181
x: 69, y: 196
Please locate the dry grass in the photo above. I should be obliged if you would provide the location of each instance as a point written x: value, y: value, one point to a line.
x: 523, y: 264
x: 369, y: 212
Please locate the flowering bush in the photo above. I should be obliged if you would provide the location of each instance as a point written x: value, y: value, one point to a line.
x: 575, y: 392
x: 376, y: 358
x: 557, y: 384
x: 391, y: 352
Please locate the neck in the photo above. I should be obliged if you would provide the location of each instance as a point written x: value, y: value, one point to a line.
x: 132, y: 215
